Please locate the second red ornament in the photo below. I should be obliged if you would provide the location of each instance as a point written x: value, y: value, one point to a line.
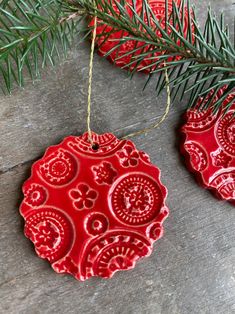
x: 209, y: 146
x: 107, y: 38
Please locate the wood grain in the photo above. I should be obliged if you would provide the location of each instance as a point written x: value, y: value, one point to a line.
x: 192, y: 269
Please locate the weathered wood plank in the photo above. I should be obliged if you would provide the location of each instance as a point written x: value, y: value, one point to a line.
x: 192, y: 269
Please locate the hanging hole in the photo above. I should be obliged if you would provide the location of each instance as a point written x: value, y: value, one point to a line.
x: 95, y: 146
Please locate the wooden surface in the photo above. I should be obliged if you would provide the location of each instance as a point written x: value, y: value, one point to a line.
x: 192, y: 269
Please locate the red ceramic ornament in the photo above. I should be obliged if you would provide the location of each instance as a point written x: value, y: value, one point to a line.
x: 93, y: 212
x: 209, y: 147
x: 106, y: 43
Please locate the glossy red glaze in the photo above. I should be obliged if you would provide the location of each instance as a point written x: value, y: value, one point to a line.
x: 106, y: 43
x: 209, y: 147
x: 93, y: 212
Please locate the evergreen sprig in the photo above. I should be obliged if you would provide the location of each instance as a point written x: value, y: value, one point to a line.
x: 198, y: 59
x: 32, y: 34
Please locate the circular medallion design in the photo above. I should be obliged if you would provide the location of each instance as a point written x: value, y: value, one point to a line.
x: 88, y: 210
x: 118, y: 250
x: 96, y: 224
x: 198, y: 158
x: 58, y: 168
x: 50, y: 231
x: 209, y: 146
x: 136, y: 199
x: 199, y: 121
x: 107, y: 42
x: 35, y: 195
x: 225, y: 133
x: 225, y: 185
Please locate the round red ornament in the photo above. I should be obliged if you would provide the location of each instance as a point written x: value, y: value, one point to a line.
x: 107, y: 42
x: 91, y: 211
x: 209, y: 147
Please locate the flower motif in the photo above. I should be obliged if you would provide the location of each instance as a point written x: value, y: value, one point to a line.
x: 46, y: 235
x: 36, y: 195
x: 128, y: 156
x: 97, y: 223
x: 104, y: 173
x: 221, y: 159
x: 83, y: 196
x: 136, y: 199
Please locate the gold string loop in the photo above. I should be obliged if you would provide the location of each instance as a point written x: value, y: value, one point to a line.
x: 90, y: 83
x: 163, y: 117
x: 143, y: 131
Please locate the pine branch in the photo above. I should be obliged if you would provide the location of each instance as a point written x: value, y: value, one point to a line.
x: 33, y: 34
x: 33, y: 31
x: 203, y: 60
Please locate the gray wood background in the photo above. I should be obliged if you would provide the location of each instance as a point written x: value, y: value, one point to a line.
x: 192, y: 269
